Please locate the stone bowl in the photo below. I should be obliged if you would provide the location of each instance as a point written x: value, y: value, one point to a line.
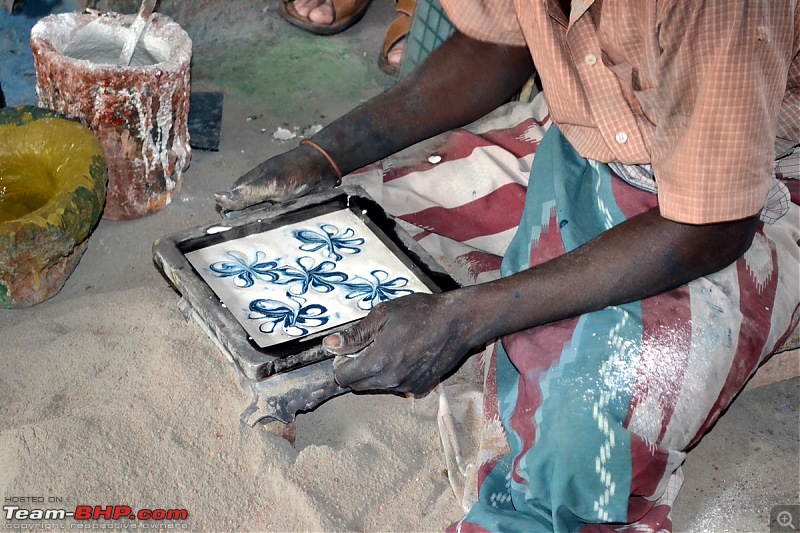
x: 52, y: 190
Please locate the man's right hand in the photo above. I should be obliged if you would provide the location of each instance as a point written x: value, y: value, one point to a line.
x: 458, y: 83
x: 289, y: 175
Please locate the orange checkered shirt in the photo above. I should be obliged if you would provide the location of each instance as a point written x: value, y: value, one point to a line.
x: 701, y: 90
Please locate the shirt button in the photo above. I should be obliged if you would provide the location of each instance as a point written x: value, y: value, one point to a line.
x: 590, y: 59
x: 621, y: 137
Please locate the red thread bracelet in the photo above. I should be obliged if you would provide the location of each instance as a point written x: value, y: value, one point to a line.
x: 329, y: 158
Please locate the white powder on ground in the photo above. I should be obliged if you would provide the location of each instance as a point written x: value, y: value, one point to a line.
x: 113, y: 399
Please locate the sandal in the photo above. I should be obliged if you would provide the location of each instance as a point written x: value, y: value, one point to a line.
x: 345, y: 14
x: 396, y: 32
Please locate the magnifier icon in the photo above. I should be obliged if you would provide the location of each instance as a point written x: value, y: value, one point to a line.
x: 784, y: 519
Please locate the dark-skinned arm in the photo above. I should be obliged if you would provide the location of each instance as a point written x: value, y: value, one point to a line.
x: 408, y: 344
x: 460, y: 82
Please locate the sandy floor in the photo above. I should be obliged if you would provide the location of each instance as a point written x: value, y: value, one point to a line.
x: 139, y: 410
x: 108, y: 397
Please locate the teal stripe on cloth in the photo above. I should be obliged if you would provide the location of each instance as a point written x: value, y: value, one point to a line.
x: 579, y: 468
x: 581, y: 459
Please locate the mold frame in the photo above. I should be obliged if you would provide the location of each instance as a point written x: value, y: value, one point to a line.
x: 221, y: 325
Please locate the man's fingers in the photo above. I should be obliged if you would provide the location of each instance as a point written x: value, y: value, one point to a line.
x: 236, y: 198
x: 352, y: 373
x: 260, y: 172
x: 361, y: 373
x: 351, y: 340
x: 345, y: 372
x: 360, y: 361
x: 254, y: 192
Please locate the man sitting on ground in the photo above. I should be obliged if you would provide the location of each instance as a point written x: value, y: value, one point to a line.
x: 627, y: 320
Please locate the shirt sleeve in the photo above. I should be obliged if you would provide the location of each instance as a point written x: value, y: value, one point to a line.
x: 721, y: 82
x: 493, y: 21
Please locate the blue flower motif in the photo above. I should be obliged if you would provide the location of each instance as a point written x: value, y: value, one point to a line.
x: 245, y: 273
x: 330, y: 239
x: 321, y: 278
x: 373, y: 291
x: 294, y: 317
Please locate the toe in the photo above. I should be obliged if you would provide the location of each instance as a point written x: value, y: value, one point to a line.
x: 304, y: 7
x: 322, y: 14
x: 395, y: 55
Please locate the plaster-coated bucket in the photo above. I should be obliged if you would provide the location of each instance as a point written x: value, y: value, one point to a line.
x: 138, y: 112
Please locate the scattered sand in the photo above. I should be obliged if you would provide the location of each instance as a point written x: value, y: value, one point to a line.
x: 143, y: 411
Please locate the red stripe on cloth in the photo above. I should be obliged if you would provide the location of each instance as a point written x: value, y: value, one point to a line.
x: 632, y: 201
x: 794, y: 190
x: 533, y: 352
x: 419, y: 236
x: 485, y: 469
x: 756, y: 308
x: 460, y: 144
x: 550, y: 245
x: 656, y: 519
x: 666, y: 342
x: 496, y: 212
x: 479, y: 262
x: 648, y: 467
x: 491, y: 412
x: 793, y: 325
x: 515, y: 139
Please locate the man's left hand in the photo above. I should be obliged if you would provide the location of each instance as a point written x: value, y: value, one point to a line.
x: 405, y: 345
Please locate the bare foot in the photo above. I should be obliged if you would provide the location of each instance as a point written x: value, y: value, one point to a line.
x: 317, y: 11
x: 395, y: 55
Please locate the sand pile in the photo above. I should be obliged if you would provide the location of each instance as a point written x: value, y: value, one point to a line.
x: 113, y: 399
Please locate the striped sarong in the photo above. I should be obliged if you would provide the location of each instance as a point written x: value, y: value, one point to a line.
x: 587, y: 420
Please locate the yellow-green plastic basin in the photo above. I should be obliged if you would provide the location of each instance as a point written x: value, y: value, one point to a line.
x: 52, y: 189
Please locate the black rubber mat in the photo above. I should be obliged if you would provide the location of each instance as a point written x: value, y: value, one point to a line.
x: 205, y: 120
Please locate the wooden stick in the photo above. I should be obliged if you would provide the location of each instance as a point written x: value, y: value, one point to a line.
x: 137, y: 29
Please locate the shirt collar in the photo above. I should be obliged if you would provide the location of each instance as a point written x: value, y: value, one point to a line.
x: 577, y: 10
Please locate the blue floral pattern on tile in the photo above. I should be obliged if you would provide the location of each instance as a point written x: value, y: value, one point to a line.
x: 294, y: 317
x: 330, y: 239
x: 321, y: 278
x: 379, y: 288
x: 243, y: 271
x: 295, y: 293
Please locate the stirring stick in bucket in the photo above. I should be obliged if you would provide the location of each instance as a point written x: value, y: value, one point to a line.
x: 137, y: 29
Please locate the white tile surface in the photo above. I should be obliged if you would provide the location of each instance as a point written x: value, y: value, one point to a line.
x: 303, y: 278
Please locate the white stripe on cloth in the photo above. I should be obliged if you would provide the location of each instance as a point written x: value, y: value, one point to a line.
x: 496, y: 244
x: 785, y: 234
x: 716, y: 320
x: 452, y: 255
x: 456, y: 182
x: 484, y: 171
x: 513, y: 113
x: 461, y: 178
